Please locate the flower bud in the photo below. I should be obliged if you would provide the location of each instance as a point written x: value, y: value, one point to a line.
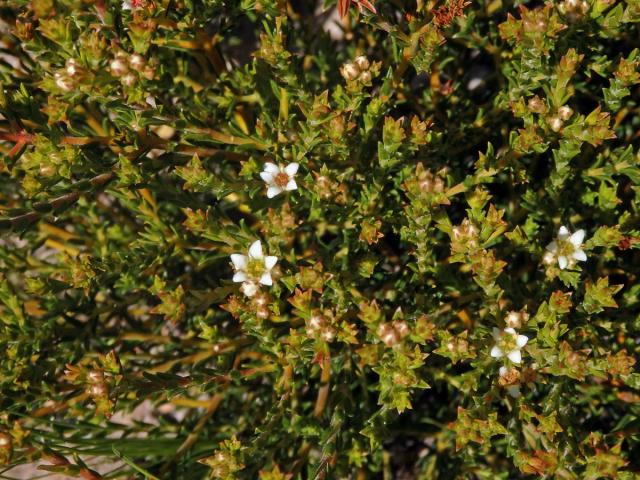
x: 349, y: 71
x: 63, y: 82
x: 118, y: 67
x: 555, y: 123
x: 136, y: 61
x: 249, y: 288
x: 401, y: 328
x: 514, y: 319
x: 536, y: 105
x: 99, y: 390
x: 72, y: 67
x: 565, y: 112
x: 388, y: 334
x: 365, y: 77
x: 328, y: 334
x: 263, y: 313
x: 362, y: 63
x: 95, y: 376
x: 129, y: 80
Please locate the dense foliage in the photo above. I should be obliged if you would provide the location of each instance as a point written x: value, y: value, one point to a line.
x: 395, y: 238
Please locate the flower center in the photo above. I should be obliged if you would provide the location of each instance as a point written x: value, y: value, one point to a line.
x: 281, y: 179
x: 565, y: 248
x: 255, y: 268
x: 507, y: 342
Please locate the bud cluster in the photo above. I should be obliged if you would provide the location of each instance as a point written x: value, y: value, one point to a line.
x: 319, y: 325
x: 358, y: 70
x: 574, y: 10
x: 66, y: 78
x: 392, y: 333
x: 128, y: 67
x: 557, y: 121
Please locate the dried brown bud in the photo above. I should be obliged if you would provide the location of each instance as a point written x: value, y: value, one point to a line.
x: 536, y: 105
x: 509, y: 376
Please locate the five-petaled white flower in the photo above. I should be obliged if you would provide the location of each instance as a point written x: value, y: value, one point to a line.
x: 253, y: 268
x: 567, y: 248
x: 279, y: 178
x: 508, y: 343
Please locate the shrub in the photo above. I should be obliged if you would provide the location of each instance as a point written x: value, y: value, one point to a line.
x: 401, y: 241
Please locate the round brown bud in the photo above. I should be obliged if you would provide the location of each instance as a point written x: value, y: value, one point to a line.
x: 328, y: 334
x: 99, y: 390
x: 95, y: 376
x: 401, y: 328
x: 263, y: 313
x: 388, y: 334
x: 118, y: 67
x: 536, y: 105
x: 136, y: 61
x: 555, y: 123
x: 362, y: 63
x: 72, y: 67
x: 63, y: 82
x: 47, y: 171
x: 129, y: 80
x: 365, y: 77
x: 5, y: 440
x: 565, y: 112
x: 514, y: 319
x: 350, y: 71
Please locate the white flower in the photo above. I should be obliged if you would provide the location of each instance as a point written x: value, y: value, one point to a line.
x: 279, y: 178
x: 253, y: 268
x: 508, y: 343
x: 567, y: 248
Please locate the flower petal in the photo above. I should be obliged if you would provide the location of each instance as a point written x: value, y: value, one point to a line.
x: 562, y: 262
x: 273, y: 191
x: 271, y: 168
x: 265, y: 279
x: 510, y: 330
x: 577, y: 238
x: 552, y: 247
x: 267, y: 177
x: 240, y: 277
x: 291, y: 185
x: 291, y: 169
x: 521, y: 340
x: 502, y: 371
x: 515, y: 356
x: 255, y: 250
x: 580, y: 255
x: 563, y: 233
x: 496, y: 333
x: 496, y: 352
x: 239, y: 261
x: 270, y: 262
